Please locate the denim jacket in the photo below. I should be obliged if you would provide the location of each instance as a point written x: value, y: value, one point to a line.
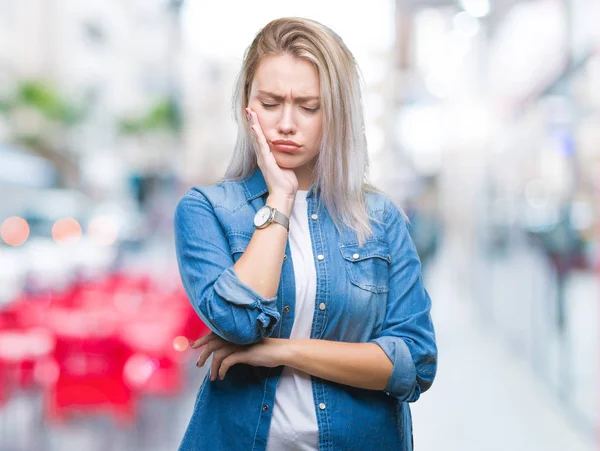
x: 373, y: 293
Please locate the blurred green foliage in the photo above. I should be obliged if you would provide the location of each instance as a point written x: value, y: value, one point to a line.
x: 44, y: 98
x: 163, y: 115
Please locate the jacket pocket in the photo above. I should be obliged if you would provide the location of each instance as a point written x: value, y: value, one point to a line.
x: 368, y: 266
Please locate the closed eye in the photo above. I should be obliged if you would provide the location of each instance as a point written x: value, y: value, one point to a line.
x: 311, y: 110
x: 268, y: 105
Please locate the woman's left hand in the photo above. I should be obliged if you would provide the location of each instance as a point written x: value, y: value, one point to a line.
x: 269, y: 352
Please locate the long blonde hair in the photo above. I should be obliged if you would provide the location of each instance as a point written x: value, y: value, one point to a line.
x: 342, y: 163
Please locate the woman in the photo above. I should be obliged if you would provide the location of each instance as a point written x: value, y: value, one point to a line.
x: 307, y: 277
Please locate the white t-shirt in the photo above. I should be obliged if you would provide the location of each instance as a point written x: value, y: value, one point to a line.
x: 294, y: 423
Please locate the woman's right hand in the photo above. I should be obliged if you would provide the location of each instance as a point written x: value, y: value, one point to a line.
x: 280, y: 182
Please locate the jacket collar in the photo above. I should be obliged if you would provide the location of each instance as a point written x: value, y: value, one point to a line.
x: 255, y: 185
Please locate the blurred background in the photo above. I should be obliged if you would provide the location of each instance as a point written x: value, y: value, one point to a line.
x: 483, y: 122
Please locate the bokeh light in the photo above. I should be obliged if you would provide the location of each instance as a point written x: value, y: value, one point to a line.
x: 66, y: 230
x: 103, y: 231
x: 14, y: 231
x: 181, y: 343
x: 138, y: 369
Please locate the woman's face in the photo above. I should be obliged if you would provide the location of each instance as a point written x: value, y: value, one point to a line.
x: 285, y: 96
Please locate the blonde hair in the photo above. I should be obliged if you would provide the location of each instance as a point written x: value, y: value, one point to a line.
x: 342, y: 163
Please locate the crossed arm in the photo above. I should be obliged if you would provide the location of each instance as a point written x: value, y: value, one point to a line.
x: 362, y: 365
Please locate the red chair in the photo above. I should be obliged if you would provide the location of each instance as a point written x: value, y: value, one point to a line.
x: 90, y: 358
x: 156, y: 367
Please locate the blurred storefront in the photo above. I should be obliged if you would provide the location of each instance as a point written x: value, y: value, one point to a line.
x: 499, y: 102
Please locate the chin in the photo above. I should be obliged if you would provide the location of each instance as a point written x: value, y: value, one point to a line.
x: 288, y: 162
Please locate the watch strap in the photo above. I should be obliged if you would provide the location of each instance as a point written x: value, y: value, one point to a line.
x: 282, y: 219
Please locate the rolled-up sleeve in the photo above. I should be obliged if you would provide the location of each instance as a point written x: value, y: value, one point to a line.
x: 407, y: 336
x: 230, y: 308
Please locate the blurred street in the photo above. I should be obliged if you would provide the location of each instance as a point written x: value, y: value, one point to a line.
x: 486, y: 396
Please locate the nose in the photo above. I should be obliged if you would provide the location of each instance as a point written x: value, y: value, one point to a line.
x: 287, y: 125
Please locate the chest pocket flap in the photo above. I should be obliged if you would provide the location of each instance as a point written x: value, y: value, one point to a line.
x: 368, y: 266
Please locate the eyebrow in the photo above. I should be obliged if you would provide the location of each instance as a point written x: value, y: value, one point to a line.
x: 281, y: 98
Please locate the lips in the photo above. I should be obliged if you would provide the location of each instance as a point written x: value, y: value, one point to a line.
x: 285, y: 145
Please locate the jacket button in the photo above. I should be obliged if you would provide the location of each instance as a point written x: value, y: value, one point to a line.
x: 265, y: 407
x: 322, y: 306
x: 355, y: 256
x: 286, y: 309
x: 284, y: 257
x: 321, y: 257
x: 322, y: 406
x: 314, y: 216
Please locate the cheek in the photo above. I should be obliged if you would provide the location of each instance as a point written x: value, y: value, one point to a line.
x: 315, y: 129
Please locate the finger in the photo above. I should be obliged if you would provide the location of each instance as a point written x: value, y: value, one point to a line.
x: 203, y: 340
x: 255, y: 143
x: 260, y: 136
x: 260, y: 142
x: 229, y: 361
x: 209, y: 349
x: 218, y: 357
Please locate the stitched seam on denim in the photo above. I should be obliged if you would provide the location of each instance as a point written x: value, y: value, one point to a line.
x: 281, y: 301
x: 246, y: 190
x: 329, y: 441
x: 238, y: 247
x: 350, y: 259
x: 216, y: 204
x: 326, y: 278
x: 212, y: 323
x: 187, y: 430
x: 195, y: 193
x: 262, y: 403
x: 364, y: 286
x: 258, y: 304
x: 204, y: 383
x: 239, y: 233
x: 353, y: 244
x: 260, y: 193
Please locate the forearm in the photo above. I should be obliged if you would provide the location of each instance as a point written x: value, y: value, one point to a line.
x: 260, y: 265
x: 362, y: 365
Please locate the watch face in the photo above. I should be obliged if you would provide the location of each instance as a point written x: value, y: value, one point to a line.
x: 262, y: 216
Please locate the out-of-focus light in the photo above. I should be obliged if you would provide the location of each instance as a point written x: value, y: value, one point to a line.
x: 103, y: 230
x: 582, y: 215
x: 437, y: 87
x: 14, y: 231
x: 476, y: 8
x: 466, y: 24
x: 66, y: 230
x: 46, y: 372
x: 41, y: 342
x: 138, y: 369
x: 181, y: 343
x: 470, y: 125
x: 536, y: 193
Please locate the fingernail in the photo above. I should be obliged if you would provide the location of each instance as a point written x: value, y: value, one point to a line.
x: 248, y: 115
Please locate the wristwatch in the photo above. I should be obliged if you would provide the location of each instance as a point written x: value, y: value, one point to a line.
x: 266, y: 215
